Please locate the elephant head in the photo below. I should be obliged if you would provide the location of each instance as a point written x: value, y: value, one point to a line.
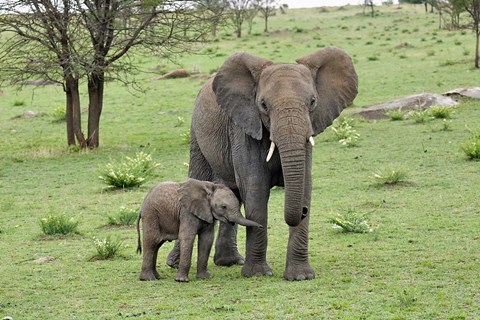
x: 294, y: 102
x: 207, y: 201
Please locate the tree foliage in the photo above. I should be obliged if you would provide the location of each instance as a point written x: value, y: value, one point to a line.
x: 66, y: 41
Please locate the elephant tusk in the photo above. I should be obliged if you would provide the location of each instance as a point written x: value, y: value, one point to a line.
x: 270, y: 151
x: 312, y: 142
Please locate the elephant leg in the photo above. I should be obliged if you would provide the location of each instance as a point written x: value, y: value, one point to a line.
x: 226, y: 250
x: 173, y: 257
x: 205, y: 242
x: 149, y: 269
x: 256, y: 247
x: 186, y: 247
x: 297, y: 266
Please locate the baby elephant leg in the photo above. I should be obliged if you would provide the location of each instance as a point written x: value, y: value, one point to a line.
x: 205, y: 242
x: 186, y: 247
x: 149, y: 264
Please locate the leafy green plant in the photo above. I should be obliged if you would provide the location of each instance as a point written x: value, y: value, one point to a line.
x: 130, y: 173
x: 106, y: 248
x: 344, y: 132
x: 440, y: 112
x: 395, y: 115
x: 58, y: 225
x: 419, y: 116
x: 185, y: 137
x: 125, y: 217
x: 18, y: 103
x: 59, y: 114
x: 351, y: 221
x: 180, y: 121
x: 390, y: 176
x: 471, y: 146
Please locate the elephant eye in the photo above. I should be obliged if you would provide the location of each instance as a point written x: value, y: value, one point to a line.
x: 224, y: 207
x: 263, y: 104
x: 313, y: 103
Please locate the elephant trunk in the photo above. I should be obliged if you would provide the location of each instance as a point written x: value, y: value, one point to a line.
x: 238, y: 218
x: 291, y: 133
x: 293, y: 166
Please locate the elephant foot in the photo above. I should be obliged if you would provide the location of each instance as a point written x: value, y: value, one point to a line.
x: 298, y: 272
x: 181, y: 277
x: 256, y: 269
x: 173, y: 258
x: 203, y: 275
x: 149, y: 275
x: 227, y: 258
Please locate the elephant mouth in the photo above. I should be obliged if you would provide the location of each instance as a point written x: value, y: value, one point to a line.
x: 272, y: 148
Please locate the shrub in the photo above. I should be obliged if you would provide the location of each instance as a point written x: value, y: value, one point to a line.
x: 125, y: 217
x: 471, y: 146
x: 390, y: 176
x: 419, y: 116
x: 106, y: 248
x: 344, y: 132
x: 395, y: 115
x: 180, y: 121
x: 351, y: 221
x: 18, y: 103
x: 58, y: 225
x: 440, y: 112
x: 59, y: 114
x: 185, y: 137
x: 130, y: 173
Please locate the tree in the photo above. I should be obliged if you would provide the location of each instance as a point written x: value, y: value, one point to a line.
x: 250, y: 14
x: 68, y: 40
x: 267, y: 9
x: 369, y: 3
x: 473, y: 8
x: 216, y: 9
x: 238, y: 13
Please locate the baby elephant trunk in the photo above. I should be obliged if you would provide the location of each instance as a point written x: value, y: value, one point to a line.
x: 245, y: 222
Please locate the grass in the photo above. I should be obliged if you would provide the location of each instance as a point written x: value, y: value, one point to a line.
x: 428, y: 244
x: 125, y: 217
x: 351, y: 221
x: 58, y: 225
x: 390, y: 175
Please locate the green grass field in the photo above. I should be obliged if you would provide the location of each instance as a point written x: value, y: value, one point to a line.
x: 422, y: 261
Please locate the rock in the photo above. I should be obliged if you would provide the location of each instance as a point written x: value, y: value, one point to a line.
x: 179, y: 73
x: 465, y: 92
x: 44, y: 260
x: 39, y: 82
x: 415, y: 102
x: 29, y: 114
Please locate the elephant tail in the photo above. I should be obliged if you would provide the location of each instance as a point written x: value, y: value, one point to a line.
x: 139, y: 243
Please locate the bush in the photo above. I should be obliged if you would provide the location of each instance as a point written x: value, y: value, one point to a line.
x: 440, y: 112
x: 471, y: 146
x: 59, y: 114
x: 344, y: 131
x: 419, y: 116
x: 390, y: 176
x: 106, y: 248
x: 351, y: 221
x: 58, y: 225
x: 395, y: 115
x: 130, y: 173
x: 125, y: 217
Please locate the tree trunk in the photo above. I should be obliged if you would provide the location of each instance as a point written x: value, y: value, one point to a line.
x: 73, y: 98
x: 69, y: 118
x: 95, y: 99
x: 477, y: 48
x: 266, y: 23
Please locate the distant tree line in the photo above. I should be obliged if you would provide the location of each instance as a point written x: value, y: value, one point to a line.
x: 453, y: 10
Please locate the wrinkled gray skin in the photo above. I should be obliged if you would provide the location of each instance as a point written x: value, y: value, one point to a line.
x: 173, y: 211
x: 250, y: 103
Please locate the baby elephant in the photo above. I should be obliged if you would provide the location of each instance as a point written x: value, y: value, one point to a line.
x: 180, y: 211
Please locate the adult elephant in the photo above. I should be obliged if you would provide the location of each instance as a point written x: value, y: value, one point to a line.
x: 252, y: 129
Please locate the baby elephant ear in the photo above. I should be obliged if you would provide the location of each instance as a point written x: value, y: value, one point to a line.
x: 194, y: 197
x: 336, y: 82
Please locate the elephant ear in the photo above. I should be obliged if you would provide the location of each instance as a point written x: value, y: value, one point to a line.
x: 235, y: 85
x: 336, y: 82
x: 194, y: 197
